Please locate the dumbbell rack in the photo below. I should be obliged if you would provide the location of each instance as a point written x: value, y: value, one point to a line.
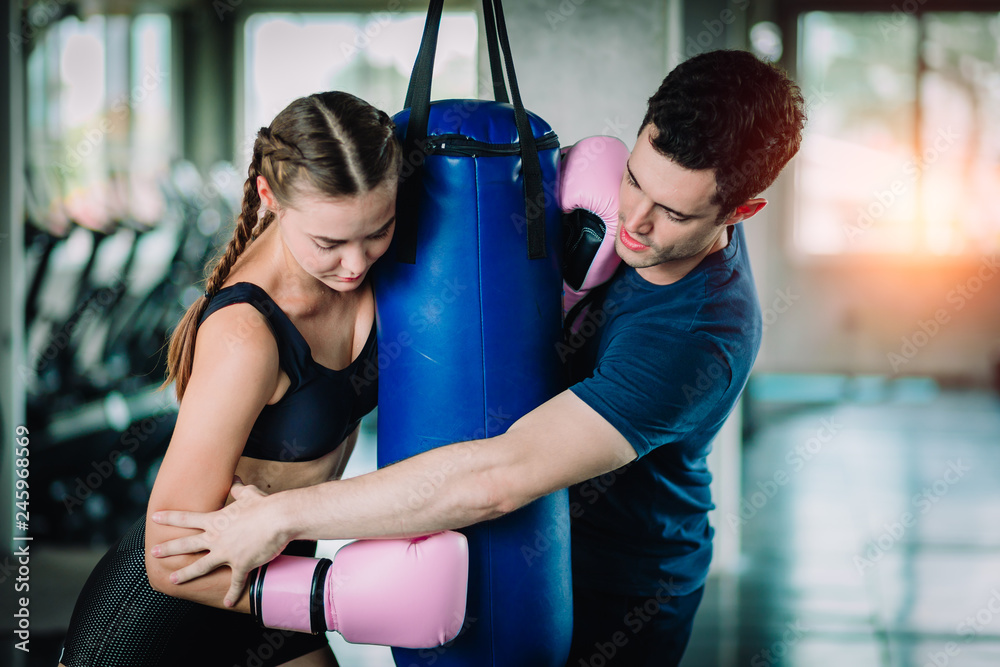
x: 100, y: 304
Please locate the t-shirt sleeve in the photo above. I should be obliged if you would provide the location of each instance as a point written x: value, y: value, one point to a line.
x: 655, y: 387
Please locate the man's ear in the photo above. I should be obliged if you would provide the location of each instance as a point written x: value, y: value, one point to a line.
x: 747, y: 209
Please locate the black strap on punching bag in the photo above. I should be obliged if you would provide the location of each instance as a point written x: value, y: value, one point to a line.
x: 418, y: 100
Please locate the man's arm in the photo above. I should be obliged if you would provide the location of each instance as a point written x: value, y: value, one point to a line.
x: 560, y: 443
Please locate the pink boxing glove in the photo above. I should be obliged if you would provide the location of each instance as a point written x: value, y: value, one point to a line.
x: 590, y: 177
x: 409, y: 593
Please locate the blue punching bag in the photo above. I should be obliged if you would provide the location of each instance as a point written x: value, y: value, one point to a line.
x: 468, y: 318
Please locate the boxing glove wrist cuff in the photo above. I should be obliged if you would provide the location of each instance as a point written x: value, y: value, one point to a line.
x: 293, y: 597
x: 255, y: 589
x: 320, y: 586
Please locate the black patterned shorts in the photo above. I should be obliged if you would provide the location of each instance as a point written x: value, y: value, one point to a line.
x: 120, y: 621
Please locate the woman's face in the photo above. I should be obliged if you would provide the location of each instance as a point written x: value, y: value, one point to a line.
x: 337, y: 240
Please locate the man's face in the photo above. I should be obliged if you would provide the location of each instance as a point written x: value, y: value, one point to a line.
x: 666, y: 221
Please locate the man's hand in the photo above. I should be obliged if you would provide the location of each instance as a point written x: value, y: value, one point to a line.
x: 239, y: 535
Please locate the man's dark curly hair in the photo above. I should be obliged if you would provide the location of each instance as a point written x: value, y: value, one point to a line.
x: 731, y: 112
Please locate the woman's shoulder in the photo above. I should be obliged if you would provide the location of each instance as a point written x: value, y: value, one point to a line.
x: 241, y: 289
x: 235, y: 351
x: 240, y: 329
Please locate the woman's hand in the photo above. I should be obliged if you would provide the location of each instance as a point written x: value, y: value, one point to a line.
x: 240, y: 535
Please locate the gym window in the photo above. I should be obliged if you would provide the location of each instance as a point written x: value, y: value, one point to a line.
x: 902, y: 146
x: 99, y: 104
x: 368, y: 54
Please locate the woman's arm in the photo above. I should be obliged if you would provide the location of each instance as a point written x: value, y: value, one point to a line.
x: 235, y: 374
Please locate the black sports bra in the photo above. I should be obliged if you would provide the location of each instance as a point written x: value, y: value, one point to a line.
x: 322, y: 406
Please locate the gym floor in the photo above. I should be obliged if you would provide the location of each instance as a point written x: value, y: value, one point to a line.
x: 869, y: 538
x: 881, y: 549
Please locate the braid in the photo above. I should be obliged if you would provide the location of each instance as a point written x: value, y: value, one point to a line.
x: 180, y: 357
x: 244, y: 232
x: 274, y: 148
x: 333, y: 144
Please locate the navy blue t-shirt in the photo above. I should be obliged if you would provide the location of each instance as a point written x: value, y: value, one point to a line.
x: 665, y: 365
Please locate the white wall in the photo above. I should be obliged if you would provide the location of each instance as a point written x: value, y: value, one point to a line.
x: 586, y: 66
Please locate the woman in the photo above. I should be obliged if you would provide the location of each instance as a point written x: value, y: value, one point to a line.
x: 263, y: 365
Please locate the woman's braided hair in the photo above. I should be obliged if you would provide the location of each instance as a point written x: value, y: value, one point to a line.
x: 331, y: 143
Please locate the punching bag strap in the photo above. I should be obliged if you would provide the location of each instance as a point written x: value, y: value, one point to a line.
x: 414, y: 143
x: 418, y: 100
x: 499, y: 89
x: 534, y: 195
x: 423, y: 66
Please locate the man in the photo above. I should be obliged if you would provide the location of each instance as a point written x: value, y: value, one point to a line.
x: 678, y: 330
